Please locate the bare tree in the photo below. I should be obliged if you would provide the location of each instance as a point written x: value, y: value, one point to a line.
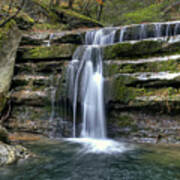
x: 100, y: 9
x: 70, y: 4
x: 9, y: 17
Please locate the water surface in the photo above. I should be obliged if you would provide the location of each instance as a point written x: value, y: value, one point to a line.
x: 64, y: 160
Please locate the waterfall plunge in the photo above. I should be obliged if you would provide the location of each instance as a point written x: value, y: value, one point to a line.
x: 85, y: 79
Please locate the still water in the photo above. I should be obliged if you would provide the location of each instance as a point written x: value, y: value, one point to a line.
x: 70, y: 160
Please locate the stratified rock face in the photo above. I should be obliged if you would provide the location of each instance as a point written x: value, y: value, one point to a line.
x: 9, y: 42
x: 38, y: 84
x: 142, y: 84
x: 142, y: 89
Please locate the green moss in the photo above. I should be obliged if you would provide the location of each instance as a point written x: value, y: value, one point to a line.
x: 3, y: 135
x: 125, y: 121
x: 148, y: 14
x: 26, y: 17
x: 4, y: 31
x: 128, y: 50
x: 142, y: 49
x: 48, y: 26
x: 114, y: 68
x: 77, y: 15
x: 123, y: 93
x: 62, y: 51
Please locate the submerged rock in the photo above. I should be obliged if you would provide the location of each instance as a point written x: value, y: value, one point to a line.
x: 12, y: 153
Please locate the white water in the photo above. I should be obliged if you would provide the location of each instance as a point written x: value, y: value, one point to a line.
x: 101, y: 37
x: 86, y: 79
x: 50, y: 38
x: 122, y: 32
x: 85, y: 88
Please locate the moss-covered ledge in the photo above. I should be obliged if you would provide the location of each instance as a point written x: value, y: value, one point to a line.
x: 74, y: 19
x: 63, y: 51
x: 120, y: 94
x: 141, y: 49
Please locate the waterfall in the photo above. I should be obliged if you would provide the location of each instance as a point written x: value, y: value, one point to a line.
x: 85, y: 85
x: 158, y: 30
x: 177, y: 29
x: 122, y: 32
x: 168, y: 32
x: 49, y: 40
x: 101, y: 37
x: 142, y: 32
x: 85, y: 75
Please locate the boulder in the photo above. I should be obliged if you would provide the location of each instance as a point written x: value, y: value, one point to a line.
x: 11, y: 153
x: 10, y: 37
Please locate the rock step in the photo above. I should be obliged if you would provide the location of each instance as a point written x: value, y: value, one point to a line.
x: 33, y: 80
x: 152, y: 104
x: 157, y: 64
x: 147, y: 30
x: 142, y: 49
x: 43, y: 67
x: 123, y: 33
x: 72, y: 37
x: 39, y: 53
x: 146, y: 80
x: 165, y: 99
x: 30, y: 97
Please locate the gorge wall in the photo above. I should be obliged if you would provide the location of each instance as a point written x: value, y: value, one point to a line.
x: 141, y: 71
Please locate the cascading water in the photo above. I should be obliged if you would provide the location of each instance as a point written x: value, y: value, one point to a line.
x: 158, y: 30
x: 85, y: 90
x: 86, y: 78
x: 101, y: 37
x: 142, y: 32
x: 85, y: 84
x: 122, y: 32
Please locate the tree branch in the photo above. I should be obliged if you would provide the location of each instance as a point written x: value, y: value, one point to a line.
x: 13, y: 16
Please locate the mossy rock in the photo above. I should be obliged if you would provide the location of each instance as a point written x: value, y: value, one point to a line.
x: 3, y: 135
x: 74, y: 19
x: 9, y: 41
x: 63, y: 51
x: 140, y: 49
x: 112, y: 68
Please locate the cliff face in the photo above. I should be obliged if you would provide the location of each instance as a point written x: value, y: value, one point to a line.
x: 141, y: 84
x: 141, y: 71
x: 9, y: 42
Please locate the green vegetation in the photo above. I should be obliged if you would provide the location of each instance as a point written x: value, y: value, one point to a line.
x: 62, y: 51
x: 142, y: 49
x: 148, y: 14
x: 114, y: 68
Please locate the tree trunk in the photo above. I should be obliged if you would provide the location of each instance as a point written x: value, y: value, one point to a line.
x: 70, y: 5
x: 100, y: 12
x: 58, y: 2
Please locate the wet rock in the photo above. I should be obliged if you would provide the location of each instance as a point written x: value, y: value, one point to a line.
x: 74, y: 37
x: 3, y: 135
x: 143, y: 126
x: 143, y: 48
x: 11, y: 153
